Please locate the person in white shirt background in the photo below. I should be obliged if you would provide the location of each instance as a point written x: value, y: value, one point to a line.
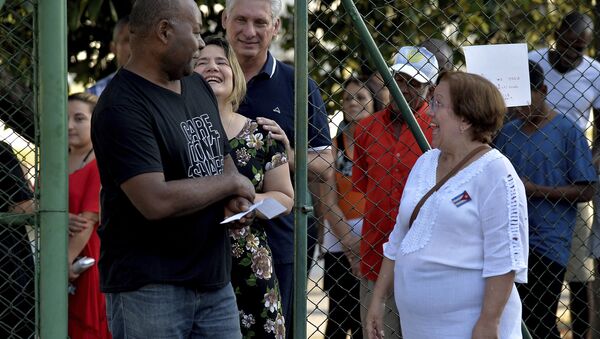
x: 573, y: 82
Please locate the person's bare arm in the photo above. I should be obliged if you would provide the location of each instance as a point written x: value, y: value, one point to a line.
x: 382, y: 290
x: 77, y: 224
x: 339, y: 226
x: 27, y: 206
x: 320, y: 168
x: 496, y: 294
x: 157, y: 198
x: 572, y: 193
x: 278, y: 185
x: 78, y: 240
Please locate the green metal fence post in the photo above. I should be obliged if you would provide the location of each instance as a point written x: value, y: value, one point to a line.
x: 525, y: 331
x: 301, y: 171
x: 52, y: 104
x: 383, y: 69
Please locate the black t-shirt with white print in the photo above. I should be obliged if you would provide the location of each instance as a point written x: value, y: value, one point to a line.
x: 139, y: 127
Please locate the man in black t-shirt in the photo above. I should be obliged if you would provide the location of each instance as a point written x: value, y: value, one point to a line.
x: 167, y: 182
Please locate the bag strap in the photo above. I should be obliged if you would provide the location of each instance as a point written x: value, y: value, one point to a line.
x: 450, y: 174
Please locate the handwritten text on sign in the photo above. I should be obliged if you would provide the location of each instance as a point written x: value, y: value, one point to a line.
x: 506, y: 67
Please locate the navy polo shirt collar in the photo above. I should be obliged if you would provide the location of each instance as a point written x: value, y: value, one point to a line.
x: 269, y: 67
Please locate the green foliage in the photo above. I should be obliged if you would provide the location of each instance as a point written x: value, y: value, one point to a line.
x: 17, y: 67
x: 90, y: 28
x: 336, y: 51
x: 246, y: 262
x: 91, y: 25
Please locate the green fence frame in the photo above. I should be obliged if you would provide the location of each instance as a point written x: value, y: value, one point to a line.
x: 301, y: 171
x: 53, y: 197
x: 52, y: 216
x: 50, y: 38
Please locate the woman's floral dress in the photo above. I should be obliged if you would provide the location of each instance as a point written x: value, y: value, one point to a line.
x: 252, y: 277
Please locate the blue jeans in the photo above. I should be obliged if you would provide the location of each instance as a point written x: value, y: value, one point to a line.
x: 168, y: 311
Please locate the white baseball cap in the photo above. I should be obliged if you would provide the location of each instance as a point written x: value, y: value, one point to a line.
x: 416, y: 62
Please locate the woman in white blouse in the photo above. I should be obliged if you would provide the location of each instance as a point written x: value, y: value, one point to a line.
x: 454, y: 269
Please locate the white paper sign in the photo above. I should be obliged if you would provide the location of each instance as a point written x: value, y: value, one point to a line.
x: 506, y: 67
x: 269, y: 207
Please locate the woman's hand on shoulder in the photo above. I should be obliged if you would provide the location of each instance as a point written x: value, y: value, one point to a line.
x: 277, y: 133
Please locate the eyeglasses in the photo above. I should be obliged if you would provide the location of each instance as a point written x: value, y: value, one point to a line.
x: 435, y: 104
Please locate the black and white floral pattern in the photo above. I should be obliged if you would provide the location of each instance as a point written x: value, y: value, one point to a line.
x: 256, y: 288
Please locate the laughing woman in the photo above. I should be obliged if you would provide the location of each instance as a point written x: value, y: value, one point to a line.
x: 454, y: 255
x: 264, y: 162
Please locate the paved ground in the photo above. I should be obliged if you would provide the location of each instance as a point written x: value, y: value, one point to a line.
x: 317, y: 303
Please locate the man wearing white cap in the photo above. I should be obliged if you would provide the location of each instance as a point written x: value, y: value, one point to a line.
x: 384, y: 153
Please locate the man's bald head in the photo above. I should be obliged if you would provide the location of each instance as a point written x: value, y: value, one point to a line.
x: 165, y: 37
x: 576, y: 22
x: 145, y: 14
x: 573, y: 37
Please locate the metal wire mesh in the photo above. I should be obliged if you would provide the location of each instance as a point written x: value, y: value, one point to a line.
x: 336, y: 54
x: 17, y: 170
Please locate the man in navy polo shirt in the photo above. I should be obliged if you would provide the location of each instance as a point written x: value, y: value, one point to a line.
x: 250, y: 27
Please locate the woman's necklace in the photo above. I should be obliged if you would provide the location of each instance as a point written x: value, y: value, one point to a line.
x: 85, y: 159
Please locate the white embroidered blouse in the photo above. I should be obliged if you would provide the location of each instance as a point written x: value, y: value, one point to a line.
x: 474, y: 227
x: 486, y: 228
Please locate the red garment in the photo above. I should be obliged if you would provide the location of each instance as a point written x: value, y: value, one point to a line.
x: 381, y: 166
x: 87, y: 307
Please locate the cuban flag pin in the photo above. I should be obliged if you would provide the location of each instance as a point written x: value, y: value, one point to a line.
x: 461, y: 199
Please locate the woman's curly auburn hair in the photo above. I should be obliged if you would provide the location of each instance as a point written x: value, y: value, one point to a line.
x: 478, y: 101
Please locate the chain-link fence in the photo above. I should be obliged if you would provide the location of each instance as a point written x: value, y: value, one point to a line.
x: 18, y: 159
x: 562, y: 224
x: 552, y: 154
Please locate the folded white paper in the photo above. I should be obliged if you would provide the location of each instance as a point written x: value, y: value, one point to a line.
x: 269, y: 208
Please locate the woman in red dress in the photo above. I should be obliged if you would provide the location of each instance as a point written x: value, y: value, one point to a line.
x: 87, y: 311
